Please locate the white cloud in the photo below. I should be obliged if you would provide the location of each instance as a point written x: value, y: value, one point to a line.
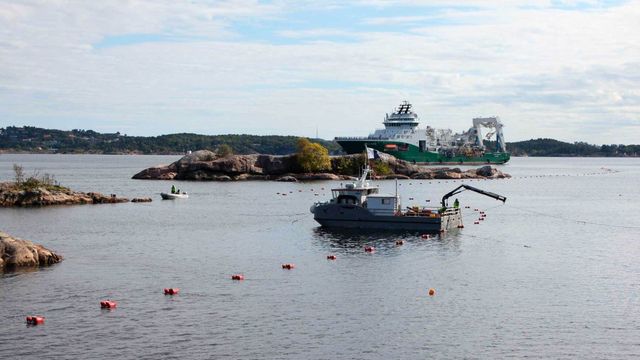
x: 547, y: 72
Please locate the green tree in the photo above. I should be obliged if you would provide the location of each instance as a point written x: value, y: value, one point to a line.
x: 312, y: 157
x: 224, y: 150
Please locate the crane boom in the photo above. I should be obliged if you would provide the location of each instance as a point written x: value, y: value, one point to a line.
x: 464, y: 187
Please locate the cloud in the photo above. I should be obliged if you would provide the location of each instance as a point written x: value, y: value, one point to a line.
x: 549, y: 69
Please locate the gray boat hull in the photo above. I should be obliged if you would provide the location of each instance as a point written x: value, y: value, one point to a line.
x: 353, y: 216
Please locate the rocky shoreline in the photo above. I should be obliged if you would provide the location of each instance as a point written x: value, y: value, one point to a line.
x: 204, y: 165
x: 15, y: 253
x: 14, y: 195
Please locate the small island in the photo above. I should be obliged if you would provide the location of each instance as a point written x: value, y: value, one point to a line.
x: 311, y: 162
x: 16, y: 253
x: 45, y: 190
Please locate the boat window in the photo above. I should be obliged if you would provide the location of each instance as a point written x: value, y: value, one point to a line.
x: 347, y: 200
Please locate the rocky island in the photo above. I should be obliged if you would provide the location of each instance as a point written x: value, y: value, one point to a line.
x: 207, y: 165
x: 15, y: 253
x: 44, y: 190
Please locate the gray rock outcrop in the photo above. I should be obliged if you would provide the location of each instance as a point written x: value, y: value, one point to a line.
x: 15, y: 253
x: 207, y: 165
x: 13, y: 195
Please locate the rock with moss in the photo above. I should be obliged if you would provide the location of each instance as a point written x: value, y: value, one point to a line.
x: 206, y: 165
x: 13, y: 194
x: 17, y: 253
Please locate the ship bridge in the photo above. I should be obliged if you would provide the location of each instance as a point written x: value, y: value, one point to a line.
x: 403, y: 116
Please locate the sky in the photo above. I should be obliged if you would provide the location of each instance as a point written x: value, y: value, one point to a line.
x: 562, y: 69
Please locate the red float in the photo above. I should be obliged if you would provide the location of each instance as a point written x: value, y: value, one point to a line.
x: 399, y: 242
x: 426, y: 236
x: 35, y: 320
x: 369, y: 249
x: 171, y: 291
x: 331, y: 257
x: 237, y: 277
x: 476, y: 222
x: 288, y: 266
x: 108, y: 304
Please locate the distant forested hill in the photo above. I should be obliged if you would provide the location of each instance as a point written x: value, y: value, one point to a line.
x: 550, y: 147
x: 33, y: 139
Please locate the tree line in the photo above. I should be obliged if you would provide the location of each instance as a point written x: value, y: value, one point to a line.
x: 34, y: 139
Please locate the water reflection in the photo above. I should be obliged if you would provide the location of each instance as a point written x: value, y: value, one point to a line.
x: 354, y: 240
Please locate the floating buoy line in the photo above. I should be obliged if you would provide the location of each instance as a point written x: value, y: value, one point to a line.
x: 577, y: 221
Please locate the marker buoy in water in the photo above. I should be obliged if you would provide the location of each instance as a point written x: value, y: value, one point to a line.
x: 425, y: 236
x: 237, y: 277
x: 35, y: 320
x: 288, y: 266
x: 399, y: 242
x: 432, y: 291
x: 331, y: 257
x: 108, y: 304
x: 171, y: 291
x: 476, y: 222
x: 369, y: 249
x: 460, y: 226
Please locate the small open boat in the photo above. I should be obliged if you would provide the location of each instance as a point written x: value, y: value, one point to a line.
x: 166, y: 196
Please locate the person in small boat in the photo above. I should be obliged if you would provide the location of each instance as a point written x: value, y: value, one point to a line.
x: 456, y: 204
x: 173, y: 189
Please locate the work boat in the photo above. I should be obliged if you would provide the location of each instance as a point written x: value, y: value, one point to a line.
x: 360, y: 205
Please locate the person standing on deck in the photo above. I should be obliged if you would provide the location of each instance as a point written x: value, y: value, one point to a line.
x: 456, y: 204
x: 173, y: 189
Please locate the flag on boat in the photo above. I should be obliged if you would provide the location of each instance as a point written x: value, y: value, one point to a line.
x: 372, y: 153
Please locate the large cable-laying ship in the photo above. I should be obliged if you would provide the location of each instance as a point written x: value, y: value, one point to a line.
x: 403, y: 139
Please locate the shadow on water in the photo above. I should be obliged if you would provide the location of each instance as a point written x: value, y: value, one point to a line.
x: 352, y: 240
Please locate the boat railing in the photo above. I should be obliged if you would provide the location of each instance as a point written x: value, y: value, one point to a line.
x: 362, y: 138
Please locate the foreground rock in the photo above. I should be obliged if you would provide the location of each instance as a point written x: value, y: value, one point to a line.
x: 15, y: 253
x: 14, y: 195
x: 206, y: 165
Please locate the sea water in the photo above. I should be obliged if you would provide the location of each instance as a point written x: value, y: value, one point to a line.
x: 552, y: 273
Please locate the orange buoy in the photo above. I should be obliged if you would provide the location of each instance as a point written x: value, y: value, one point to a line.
x: 237, y: 277
x: 331, y: 257
x: 369, y: 249
x: 108, y: 304
x: 35, y: 320
x: 171, y: 291
x: 288, y: 266
x: 432, y: 291
x: 399, y: 242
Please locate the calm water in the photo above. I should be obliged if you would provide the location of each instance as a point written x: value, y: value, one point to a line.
x: 553, y: 273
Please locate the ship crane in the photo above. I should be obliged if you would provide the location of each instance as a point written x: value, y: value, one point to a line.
x: 464, y: 187
x: 491, y: 123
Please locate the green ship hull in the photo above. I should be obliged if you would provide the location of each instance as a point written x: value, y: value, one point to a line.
x: 412, y: 153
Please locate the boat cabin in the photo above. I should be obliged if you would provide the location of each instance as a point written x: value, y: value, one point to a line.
x: 352, y: 195
x: 383, y: 204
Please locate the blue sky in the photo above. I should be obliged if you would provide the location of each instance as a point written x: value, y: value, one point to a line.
x: 563, y: 69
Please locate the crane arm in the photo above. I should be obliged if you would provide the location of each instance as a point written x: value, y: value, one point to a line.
x: 464, y: 187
